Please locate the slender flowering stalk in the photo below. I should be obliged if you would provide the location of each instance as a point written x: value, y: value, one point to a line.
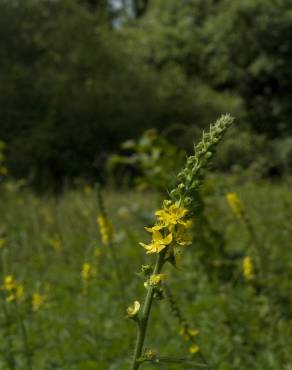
x: 173, y: 222
x: 106, y: 229
x: 248, y: 268
x: 88, y: 272
x: 107, y: 237
x: 38, y: 301
x: 189, y: 334
x: 235, y: 204
x: 240, y: 211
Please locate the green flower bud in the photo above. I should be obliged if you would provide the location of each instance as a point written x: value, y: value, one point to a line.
x: 147, y: 270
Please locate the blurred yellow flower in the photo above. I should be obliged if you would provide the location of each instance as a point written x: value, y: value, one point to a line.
x: 235, y: 204
x: 2, y: 242
x: 13, y: 288
x: 248, y: 268
x: 106, y: 229
x: 187, y: 333
x: 88, y: 272
x: 134, y: 309
x: 194, y: 349
x: 9, y: 283
x: 37, y: 301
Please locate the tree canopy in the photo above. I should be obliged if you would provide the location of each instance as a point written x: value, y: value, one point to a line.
x: 80, y: 76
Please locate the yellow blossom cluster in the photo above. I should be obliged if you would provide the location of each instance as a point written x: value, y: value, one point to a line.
x: 170, y: 229
x: 88, y: 272
x: 248, y: 268
x: 150, y: 354
x: 154, y: 280
x: 37, y: 301
x: 14, y: 290
x: 106, y: 229
x: 235, y: 204
x: 188, y: 335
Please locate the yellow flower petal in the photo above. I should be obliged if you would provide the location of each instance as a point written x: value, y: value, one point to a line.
x: 194, y: 349
x: 134, y: 309
x: 235, y: 204
x: 156, y: 279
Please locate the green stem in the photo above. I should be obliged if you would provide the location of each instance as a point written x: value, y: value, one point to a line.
x: 118, y: 274
x: 143, y: 321
x: 113, y: 255
x: 260, y: 253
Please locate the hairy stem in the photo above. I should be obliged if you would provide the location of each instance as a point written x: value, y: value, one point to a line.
x: 143, y: 322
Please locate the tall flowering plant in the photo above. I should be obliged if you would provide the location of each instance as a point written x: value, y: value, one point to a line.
x: 171, y: 230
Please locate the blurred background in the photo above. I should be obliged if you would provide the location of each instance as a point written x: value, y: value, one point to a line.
x: 78, y: 77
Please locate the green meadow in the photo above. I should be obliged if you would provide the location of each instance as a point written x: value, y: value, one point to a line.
x: 82, y: 324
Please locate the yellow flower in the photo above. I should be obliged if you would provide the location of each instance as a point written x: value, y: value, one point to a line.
x: 88, y: 272
x: 187, y: 333
x: 15, y: 290
x: 158, y: 242
x: 172, y: 215
x: 134, y: 309
x: 181, y: 236
x: 248, y: 268
x: 194, y: 349
x: 150, y: 354
x: 235, y: 204
x: 9, y: 283
x: 16, y: 294
x: 106, y: 229
x: 156, y: 279
x: 37, y: 301
x: 2, y: 242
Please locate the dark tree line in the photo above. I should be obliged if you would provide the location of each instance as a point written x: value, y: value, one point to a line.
x: 77, y: 78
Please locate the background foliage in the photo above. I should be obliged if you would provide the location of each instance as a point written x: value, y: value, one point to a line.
x: 79, y: 77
